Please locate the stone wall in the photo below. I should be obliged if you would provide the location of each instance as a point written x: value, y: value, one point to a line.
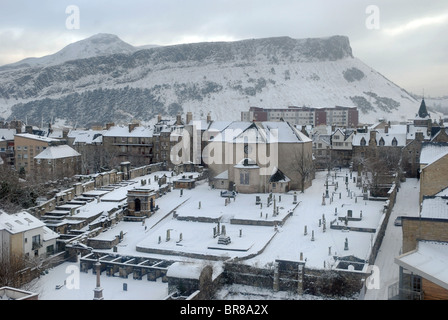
x: 415, y: 229
x: 434, y: 178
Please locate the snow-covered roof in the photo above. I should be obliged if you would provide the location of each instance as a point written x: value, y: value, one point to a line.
x: 387, y: 137
x: 123, y: 131
x: 19, y: 222
x: 86, y: 136
x: 49, y: 234
x: 412, y: 130
x: 429, y: 261
x: 432, y: 152
x: 35, y: 137
x: 57, y: 152
x: 223, y: 175
x: 435, y: 208
x: 7, y: 134
x: 257, y: 132
x: 278, y: 176
x: 247, y: 163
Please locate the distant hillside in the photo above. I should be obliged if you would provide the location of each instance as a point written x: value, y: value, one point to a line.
x: 223, y: 78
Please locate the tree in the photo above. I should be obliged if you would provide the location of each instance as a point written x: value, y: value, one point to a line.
x: 15, y: 193
x: 302, y: 164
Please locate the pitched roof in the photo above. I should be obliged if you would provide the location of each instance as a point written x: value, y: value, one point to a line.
x: 429, y: 261
x: 123, y: 131
x: 423, y: 111
x: 432, y: 151
x: 19, y: 222
x: 434, y: 207
x: 57, y: 152
x: 35, y: 137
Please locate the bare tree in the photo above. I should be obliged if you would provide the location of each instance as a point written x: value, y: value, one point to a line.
x: 302, y: 164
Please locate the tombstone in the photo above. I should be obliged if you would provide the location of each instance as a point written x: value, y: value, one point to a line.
x: 199, y: 204
x: 312, y: 235
x: 295, y: 199
x: 279, y: 198
x: 181, y: 192
x: 241, y: 233
x: 168, y: 235
x: 257, y: 200
x: 346, y: 244
x: 324, y: 226
x: 329, y: 251
x: 340, y: 195
x: 125, y: 287
x: 160, y: 239
x: 261, y: 214
x: 305, y: 232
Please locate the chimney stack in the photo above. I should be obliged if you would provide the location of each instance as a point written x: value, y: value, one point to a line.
x: 132, y: 126
x: 159, y: 118
x: 189, y: 117
x: 109, y: 125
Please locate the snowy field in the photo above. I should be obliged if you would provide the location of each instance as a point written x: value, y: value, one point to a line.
x: 257, y: 245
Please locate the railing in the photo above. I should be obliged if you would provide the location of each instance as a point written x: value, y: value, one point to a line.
x: 394, y: 292
x: 36, y: 245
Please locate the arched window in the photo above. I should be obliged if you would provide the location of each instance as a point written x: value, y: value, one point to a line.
x: 381, y: 142
x: 137, y: 204
x: 394, y: 142
x: 363, y: 142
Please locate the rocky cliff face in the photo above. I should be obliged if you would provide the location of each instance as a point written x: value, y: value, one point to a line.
x: 223, y: 78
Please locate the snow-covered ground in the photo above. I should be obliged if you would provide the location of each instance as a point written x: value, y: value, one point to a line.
x: 264, y: 243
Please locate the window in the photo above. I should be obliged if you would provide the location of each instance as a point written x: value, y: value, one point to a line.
x: 394, y: 142
x: 244, y: 177
x: 381, y: 143
x: 363, y: 142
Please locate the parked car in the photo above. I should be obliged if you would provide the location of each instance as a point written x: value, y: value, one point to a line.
x: 398, y: 221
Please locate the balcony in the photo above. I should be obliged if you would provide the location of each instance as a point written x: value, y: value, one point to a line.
x: 36, y: 245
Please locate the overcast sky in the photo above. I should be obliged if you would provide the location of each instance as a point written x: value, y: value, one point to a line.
x: 406, y: 41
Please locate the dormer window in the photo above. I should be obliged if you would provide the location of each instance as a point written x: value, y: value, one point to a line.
x: 363, y: 142
x: 394, y: 142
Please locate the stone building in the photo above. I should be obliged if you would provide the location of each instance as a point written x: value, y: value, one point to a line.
x: 7, y: 146
x: 141, y: 202
x: 425, y: 256
x: 133, y: 143
x: 252, y: 152
x: 27, y: 146
x: 433, y: 168
x: 57, y: 162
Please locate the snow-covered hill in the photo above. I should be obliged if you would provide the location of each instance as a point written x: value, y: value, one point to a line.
x: 223, y: 78
x: 101, y: 44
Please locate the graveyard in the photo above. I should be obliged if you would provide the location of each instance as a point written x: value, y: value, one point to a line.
x: 331, y: 220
